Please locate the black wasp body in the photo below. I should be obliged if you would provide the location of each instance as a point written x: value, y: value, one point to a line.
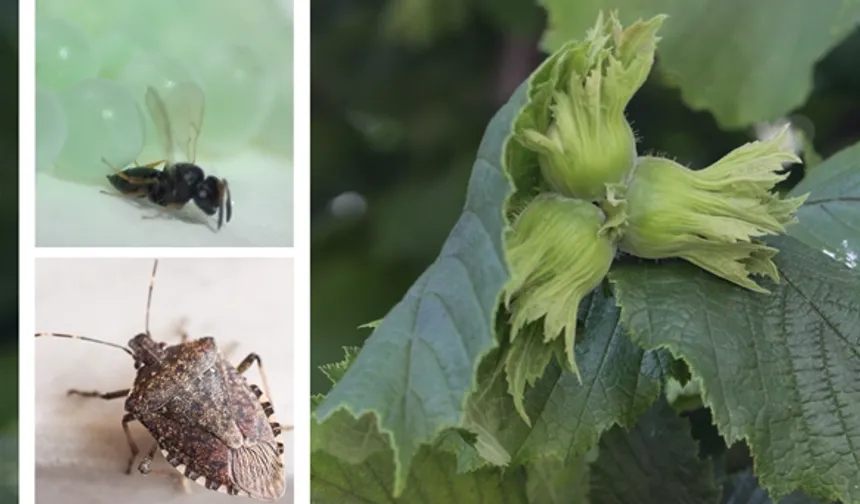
x: 176, y: 183
x: 174, y: 186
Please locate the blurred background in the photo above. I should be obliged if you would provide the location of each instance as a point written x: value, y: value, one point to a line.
x: 401, y: 91
x: 94, y: 63
x: 9, y: 253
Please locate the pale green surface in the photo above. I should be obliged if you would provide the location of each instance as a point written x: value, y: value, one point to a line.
x: 277, y: 131
x: 236, y: 53
x: 239, y: 54
x: 239, y: 93
x: 105, y: 122
x: 64, y: 56
x: 51, y: 128
x: 94, y: 18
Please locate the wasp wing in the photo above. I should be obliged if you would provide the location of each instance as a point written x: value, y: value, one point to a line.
x: 158, y: 114
x: 186, y: 104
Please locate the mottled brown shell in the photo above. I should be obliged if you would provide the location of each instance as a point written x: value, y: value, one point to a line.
x: 209, y: 423
x: 257, y: 468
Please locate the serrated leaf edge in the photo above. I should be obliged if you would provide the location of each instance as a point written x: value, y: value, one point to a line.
x: 705, y: 397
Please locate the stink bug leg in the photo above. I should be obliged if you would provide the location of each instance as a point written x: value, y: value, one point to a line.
x: 265, y: 402
x: 246, y: 363
x: 101, y: 395
x: 127, y: 419
x: 264, y: 398
x: 145, y: 468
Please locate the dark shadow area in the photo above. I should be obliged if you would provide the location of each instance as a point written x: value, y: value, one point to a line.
x: 9, y: 252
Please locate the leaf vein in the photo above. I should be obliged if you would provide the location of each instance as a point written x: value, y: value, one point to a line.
x: 828, y: 376
x: 839, y: 219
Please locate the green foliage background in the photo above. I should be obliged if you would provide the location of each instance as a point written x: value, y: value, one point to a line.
x: 9, y: 255
x: 398, y: 113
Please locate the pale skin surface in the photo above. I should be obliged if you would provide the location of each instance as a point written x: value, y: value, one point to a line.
x: 81, y: 448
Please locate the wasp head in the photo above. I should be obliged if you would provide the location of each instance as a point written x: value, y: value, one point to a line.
x: 213, y: 195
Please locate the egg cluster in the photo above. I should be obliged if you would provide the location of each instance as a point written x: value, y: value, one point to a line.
x: 95, y: 60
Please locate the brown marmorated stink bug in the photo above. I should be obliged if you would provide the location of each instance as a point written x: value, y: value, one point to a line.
x: 209, y: 423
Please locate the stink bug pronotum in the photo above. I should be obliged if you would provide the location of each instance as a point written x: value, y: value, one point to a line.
x: 208, y: 422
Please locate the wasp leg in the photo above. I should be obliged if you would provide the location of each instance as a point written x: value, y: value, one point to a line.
x: 137, y: 194
x: 154, y: 163
x: 150, y: 165
x: 130, y: 179
x: 162, y: 210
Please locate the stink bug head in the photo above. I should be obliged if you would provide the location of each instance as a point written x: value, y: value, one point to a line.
x: 146, y: 351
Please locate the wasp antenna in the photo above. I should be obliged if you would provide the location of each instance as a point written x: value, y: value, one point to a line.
x: 84, y: 338
x: 229, y: 200
x: 223, y: 200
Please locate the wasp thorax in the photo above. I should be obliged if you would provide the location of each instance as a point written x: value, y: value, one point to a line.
x: 191, y: 174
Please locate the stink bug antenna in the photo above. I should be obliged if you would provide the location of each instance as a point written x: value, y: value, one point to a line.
x: 84, y: 338
x: 149, y: 296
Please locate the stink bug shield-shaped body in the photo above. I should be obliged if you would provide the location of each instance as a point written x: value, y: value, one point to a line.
x: 209, y: 423
x: 178, y: 119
